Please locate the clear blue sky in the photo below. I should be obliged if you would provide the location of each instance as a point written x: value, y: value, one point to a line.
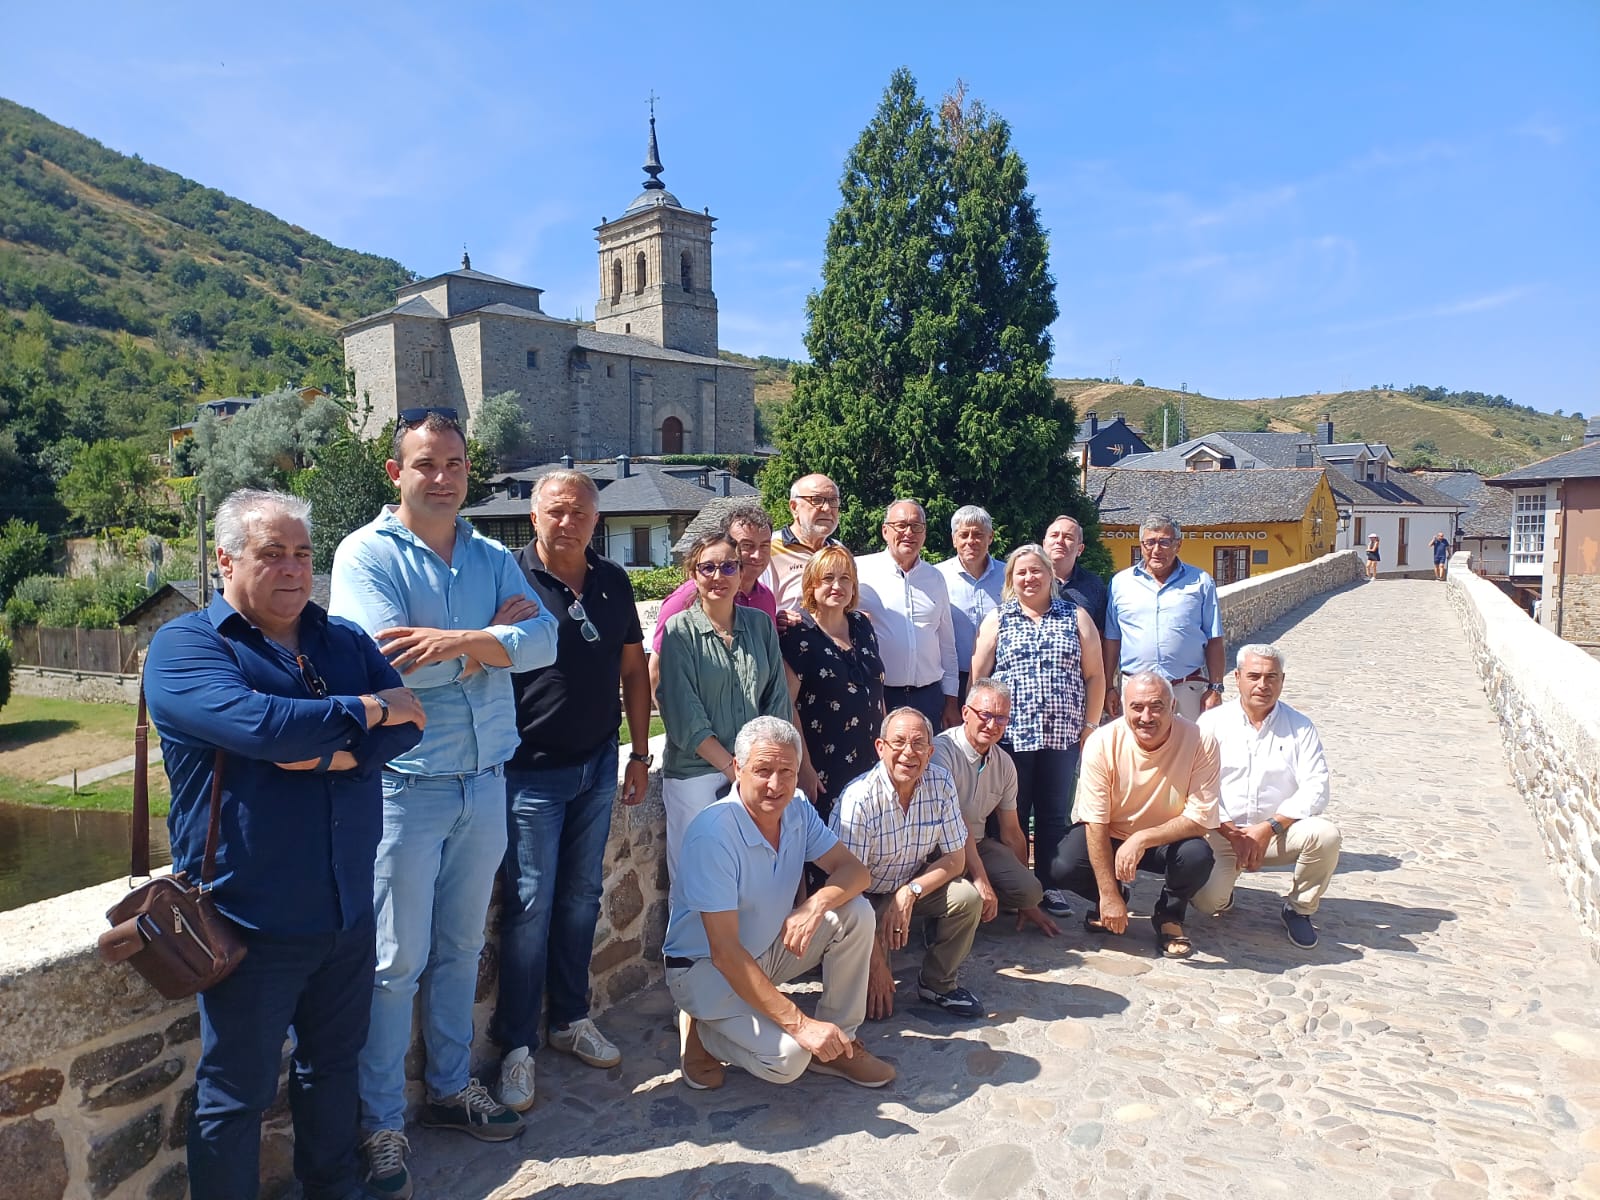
x: 1253, y: 198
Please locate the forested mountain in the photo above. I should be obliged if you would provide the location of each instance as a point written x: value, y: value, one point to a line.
x: 128, y: 292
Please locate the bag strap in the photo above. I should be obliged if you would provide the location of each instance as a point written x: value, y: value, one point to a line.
x: 139, y: 867
x: 208, y: 867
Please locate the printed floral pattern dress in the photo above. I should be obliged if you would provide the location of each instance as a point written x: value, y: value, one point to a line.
x: 840, y: 701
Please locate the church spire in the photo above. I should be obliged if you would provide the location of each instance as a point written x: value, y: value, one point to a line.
x: 466, y: 259
x: 652, y: 160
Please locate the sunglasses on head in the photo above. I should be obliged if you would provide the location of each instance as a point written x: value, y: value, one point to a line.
x: 416, y: 416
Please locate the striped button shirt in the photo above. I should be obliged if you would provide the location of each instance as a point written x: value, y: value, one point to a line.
x: 894, y: 843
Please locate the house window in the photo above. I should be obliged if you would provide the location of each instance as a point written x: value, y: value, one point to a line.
x: 1135, y: 557
x: 1229, y: 564
x: 641, y: 545
x: 1527, y: 533
x: 533, y: 360
x: 1400, y: 550
x: 427, y: 364
x: 1360, y: 537
x: 627, y: 327
x: 610, y: 370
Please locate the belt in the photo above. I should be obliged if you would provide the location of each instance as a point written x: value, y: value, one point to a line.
x: 1199, y: 676
x: 673, y: 960
x: 912, y: 687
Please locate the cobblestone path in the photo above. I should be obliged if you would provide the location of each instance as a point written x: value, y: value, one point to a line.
x: 1441, y: 1042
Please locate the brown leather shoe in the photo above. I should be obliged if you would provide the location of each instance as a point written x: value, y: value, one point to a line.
x: 700, y: 1070
x: 862, y: 1067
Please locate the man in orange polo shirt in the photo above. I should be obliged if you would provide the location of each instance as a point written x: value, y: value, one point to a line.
x: 1147, y: 794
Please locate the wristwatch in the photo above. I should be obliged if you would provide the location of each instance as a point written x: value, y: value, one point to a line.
x: 1277, y: 829
x: 383, y: 705
x: 646, y: 759
x: 916, y: 889
x: 1216, y: 687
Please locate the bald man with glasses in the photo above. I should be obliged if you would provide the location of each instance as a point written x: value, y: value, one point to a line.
x: 815, y: 504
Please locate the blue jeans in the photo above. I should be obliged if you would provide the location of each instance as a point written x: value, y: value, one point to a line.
x: 1046, y: 781
x: 557, y: 823
x: 320, y: 986
x: 443, y: 839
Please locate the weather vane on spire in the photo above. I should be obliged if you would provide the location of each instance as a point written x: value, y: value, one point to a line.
x: 466, y: 259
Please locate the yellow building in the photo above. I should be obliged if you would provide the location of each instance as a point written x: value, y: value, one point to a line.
x: 1235, y: 523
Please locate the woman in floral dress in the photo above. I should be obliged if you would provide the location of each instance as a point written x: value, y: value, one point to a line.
x: 835, y: 678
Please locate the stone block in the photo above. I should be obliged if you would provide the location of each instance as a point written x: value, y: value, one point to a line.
x: 184, y: 1029
x: 171, y: 1184
x: 29, y: 1091
x: 626, y: 982
x: 625, y: 901
x: 148, y: 1081
x: 115, y: 1156
x: 613, y: 955
x: 114, y: 1061
x: 35, y: 1161
x: 178, y: 1130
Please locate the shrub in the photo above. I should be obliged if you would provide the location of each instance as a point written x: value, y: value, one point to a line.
x: 657, y: 583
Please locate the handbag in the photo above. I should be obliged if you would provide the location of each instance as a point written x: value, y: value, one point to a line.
x: 169, y: 929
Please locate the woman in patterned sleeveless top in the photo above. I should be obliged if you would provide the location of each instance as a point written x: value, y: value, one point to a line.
x: 1048, y: 651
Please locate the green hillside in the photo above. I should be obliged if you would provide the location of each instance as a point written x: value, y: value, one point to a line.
x: 1492, y: 438
x: 128, y: 292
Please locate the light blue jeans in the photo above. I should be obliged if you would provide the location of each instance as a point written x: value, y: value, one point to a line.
x: 443, y: 839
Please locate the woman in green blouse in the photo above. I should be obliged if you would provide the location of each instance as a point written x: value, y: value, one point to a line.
x: 720, y: 668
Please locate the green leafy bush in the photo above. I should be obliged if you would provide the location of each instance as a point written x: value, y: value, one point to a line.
x: 657, y: 583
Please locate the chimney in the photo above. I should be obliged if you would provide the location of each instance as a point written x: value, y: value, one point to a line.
x: 1325, y: 430
x: 624, y: 468
x: 1303, y: 456
x: 566, y: 462
x: 1119, y: 415
x: 1094, y: 422
x: 724, y: 483
x: 1591, y: 432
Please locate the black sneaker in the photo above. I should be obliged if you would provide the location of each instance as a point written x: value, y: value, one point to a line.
x: 1055, y: 903
x: 957, y: 1001
x: 1299, y: 927
x: 472, y: 1110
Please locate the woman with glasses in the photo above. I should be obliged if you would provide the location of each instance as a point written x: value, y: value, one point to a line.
x: 1047, y: 650
x: 720, y: 667
x: 835, y: 677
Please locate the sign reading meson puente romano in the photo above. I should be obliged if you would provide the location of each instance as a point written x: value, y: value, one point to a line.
x: 643, y: 379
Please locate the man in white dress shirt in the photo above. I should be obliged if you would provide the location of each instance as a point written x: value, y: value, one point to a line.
x: 1274, y: 788
x: 974, y: 579
x: 909, y: 606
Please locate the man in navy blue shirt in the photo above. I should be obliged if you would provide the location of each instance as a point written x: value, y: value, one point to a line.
x: 1063, y: 542
x: 305, y: 711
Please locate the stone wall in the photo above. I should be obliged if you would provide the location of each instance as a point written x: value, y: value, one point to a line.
x: 1254, y: 603
x: 71, y: 685
x: 97, y: 1069
x: 1547, y: 695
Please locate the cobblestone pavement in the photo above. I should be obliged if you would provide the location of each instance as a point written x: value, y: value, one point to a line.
x: 1441, y: 1042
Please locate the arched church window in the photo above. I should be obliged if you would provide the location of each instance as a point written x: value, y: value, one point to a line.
x: 640, y: 274
x: 672, y: 436
x: 686, y: 271
x: 616, y: 281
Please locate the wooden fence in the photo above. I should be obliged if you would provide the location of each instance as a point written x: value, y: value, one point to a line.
x: 93, y: 651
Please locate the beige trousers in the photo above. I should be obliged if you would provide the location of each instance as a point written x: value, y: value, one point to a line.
x: 954, y: 913
x: 1310, y: 845
x: 734, y: 1032
x: 1014, y: 884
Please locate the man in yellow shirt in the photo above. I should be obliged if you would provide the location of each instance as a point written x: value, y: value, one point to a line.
x: 1147, y: 794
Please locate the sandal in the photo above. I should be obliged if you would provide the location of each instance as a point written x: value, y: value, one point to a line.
x: 1174, y: 945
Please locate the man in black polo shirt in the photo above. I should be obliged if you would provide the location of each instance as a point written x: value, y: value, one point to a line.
x: 561, y: 783
x: 1063, y: 542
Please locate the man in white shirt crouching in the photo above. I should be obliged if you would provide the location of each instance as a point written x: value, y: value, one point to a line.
x: 1274, y: 789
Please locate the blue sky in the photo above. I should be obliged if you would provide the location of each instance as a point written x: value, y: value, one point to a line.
x: 1248, y: 198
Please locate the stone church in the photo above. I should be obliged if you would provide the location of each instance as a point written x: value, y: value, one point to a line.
x: 643, y: 379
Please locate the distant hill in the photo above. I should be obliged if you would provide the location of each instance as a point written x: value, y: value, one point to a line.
x: 1490, y: 438
x: 128, y: 292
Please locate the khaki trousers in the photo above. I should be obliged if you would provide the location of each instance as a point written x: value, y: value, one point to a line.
x: 953, y: 913
x: 1014, y: 885
x: 1310, y: 845
x: 736, y: 1033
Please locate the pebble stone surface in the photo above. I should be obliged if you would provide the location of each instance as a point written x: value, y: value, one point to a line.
x: 1441, y: 1043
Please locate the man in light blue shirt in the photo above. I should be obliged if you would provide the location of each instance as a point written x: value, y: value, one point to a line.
x: 1162, y: 615
x: 453, y: 612
x: 734, y: 932
x: 974, y: 580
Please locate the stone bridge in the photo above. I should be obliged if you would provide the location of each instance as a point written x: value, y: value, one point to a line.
x: 1441, y: 1042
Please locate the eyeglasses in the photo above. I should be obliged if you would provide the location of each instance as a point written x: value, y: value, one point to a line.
x: 1164, y: 543
x: 590, y: 633
x: 308, y: 676
x: 820, y: 501
x: 989, y: 718
x: 711, y: 570
x: 907, y: 526
x: 416, y: 416
x: 917, y: 745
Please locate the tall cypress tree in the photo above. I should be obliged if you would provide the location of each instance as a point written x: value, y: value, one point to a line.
x: 929, y: 338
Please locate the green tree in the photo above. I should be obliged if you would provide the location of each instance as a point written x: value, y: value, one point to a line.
x: 109, y: 484
x: 264, y: 445
x: 24, y: 551
x: 1177, y: 429
x: 346, y: 488
x: 929, y: 337
x: 504, y: 429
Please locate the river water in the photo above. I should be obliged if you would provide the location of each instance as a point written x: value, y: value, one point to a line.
x: 48, y: 852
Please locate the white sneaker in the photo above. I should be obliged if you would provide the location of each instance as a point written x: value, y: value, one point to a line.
x: 586, y: 1043
x: 516, y: 1080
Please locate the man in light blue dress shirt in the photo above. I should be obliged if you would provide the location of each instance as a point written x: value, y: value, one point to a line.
x: 1162, y: 615
x: 453, y: 612
x: 974, y: 579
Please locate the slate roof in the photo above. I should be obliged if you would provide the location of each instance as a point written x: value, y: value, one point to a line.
x: 468, y: 273
x: 1203, y: 498
x: 1253, y: 450
x: 710, y: 518
x: 621, y: 343
x: 1488, y: 509
x: 1400, y: 490
x: 189, y: 589
x: 649, y: 488
x: 1582, y: 463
